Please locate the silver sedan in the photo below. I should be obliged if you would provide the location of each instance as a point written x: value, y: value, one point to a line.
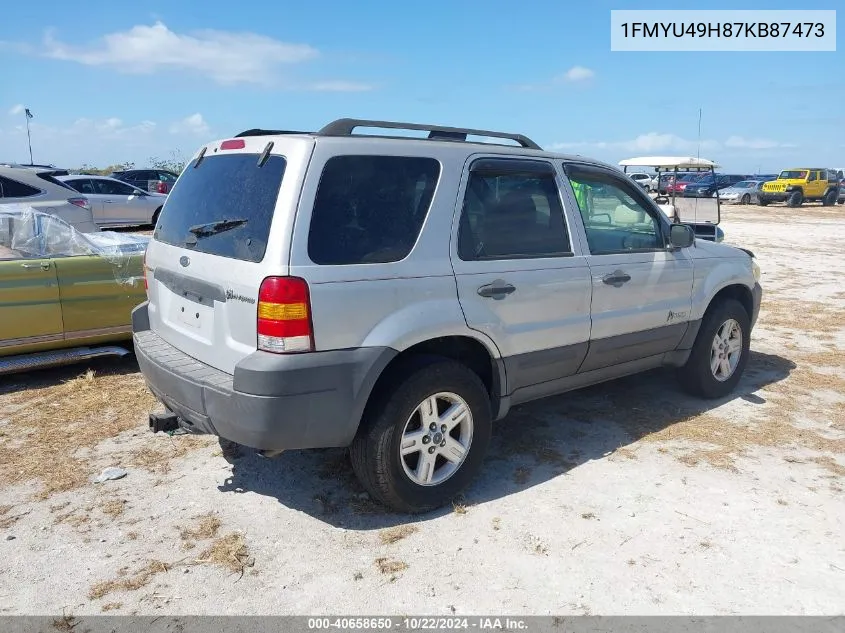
x: 116, y: 203
x: 743, y: 192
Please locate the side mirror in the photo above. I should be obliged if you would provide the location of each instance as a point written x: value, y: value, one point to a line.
x: 681, y: 235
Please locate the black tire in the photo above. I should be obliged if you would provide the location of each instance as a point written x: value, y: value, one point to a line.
x: 155, y: 216
x: 375, y: 451
x: 829, y: 199
x: 745, y: 199
x: 696, y: 376
x: 795, y: 199
x: 763, y: 203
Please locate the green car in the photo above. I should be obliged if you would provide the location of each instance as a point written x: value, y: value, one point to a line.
x: 65, y: 296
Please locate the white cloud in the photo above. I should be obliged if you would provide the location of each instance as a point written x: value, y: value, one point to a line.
x: 103, y: 142
x: 578, y: 73
x: 739, y: 142
x: 227, y: 57
x: 649, y: 143
x: 193, y: 125
x: 16, y: 110
x: 575, y: 75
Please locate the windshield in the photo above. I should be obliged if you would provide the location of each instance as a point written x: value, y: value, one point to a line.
x: 793, y: 174
x: 744, y: 184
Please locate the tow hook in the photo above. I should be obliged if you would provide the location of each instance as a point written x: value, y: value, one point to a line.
x: 165, y: 422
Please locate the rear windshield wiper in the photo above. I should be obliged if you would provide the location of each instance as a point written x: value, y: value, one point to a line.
x: 212, y: 228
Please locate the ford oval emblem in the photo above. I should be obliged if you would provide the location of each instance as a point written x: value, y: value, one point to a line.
x: 184, y: 260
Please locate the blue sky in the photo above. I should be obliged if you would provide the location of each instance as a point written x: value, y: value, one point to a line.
x: 129, y: 81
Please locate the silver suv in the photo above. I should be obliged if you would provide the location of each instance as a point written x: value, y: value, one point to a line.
x: 396, y: 295
x: 39, y: 188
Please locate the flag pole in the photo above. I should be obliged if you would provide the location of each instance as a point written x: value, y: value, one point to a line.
x: 28, y: 116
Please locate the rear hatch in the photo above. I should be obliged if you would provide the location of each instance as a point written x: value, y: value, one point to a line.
x: 226, y: 226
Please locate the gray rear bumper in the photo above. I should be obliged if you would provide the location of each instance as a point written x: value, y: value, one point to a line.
x: 272, y: 402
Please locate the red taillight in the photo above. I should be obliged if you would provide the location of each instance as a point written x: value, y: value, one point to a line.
x: 234, y: 143
x: 284, y: 316
x: 161, y: 187
x: 80, y: 202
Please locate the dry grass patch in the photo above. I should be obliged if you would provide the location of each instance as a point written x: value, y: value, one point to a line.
x: 113, y: 507
x: 59, y: 420
x: 831, y: 465
x: 206, y: 528
x: 157, y: 458
x: 811, y: 316
x: 229, y: 552
x: 132, y: 583
x: 396, y: 534
x: 388, y: 566
x: 112, y: 606
x: 8, y: 520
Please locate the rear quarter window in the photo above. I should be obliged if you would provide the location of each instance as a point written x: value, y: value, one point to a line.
x: 223, y: 188
x: 13, y: 189
x: 370, y: 209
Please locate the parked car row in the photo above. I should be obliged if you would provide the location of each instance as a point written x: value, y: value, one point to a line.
x: 793, y: 186
x: 88, y: 203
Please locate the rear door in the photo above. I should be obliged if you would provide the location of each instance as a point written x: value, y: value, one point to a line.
x: 85, y: 186
x: 521, y: 279
x: 641, y: 290
x: 121, y: 204
x: 204, y: 282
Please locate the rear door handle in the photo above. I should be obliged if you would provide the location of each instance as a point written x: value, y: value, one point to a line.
x: 41, y: 265
x: 616, y: 278
x: 497, y: 290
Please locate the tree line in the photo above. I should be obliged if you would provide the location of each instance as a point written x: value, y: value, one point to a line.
x: 175, y: 164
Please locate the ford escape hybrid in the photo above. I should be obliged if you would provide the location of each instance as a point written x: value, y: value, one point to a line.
x: 395, y: 295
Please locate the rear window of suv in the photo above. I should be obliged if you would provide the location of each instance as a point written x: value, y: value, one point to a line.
x: 370, y: 209
x: 223, y: 206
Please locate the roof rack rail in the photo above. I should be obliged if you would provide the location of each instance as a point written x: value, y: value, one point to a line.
x: 345, y: 127
x: 260, y: 132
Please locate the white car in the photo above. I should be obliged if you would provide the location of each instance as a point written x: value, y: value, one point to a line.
x: 646, y: 181
x: 39, y: 189
x: 116, y: 203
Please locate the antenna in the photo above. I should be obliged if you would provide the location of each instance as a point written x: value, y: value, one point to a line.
x: 698, y: 149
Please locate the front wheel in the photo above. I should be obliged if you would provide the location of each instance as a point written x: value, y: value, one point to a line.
x: 796, y: 198
x: 720, y: 351
x: 422, y: 442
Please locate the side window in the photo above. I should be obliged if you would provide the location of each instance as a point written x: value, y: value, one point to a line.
x: 511, y: 215
x: 615, y: 219
x: 811, y: 177
x: 370, y: 209
x: 166, y: 177
x: 82, y: 185
x: 13, y: 189
x: 113, y: 188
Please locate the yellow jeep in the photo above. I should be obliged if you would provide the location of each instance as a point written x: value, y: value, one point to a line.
x: 795, y: 186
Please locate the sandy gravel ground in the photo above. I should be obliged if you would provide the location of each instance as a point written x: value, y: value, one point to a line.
x: 626, y: 498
